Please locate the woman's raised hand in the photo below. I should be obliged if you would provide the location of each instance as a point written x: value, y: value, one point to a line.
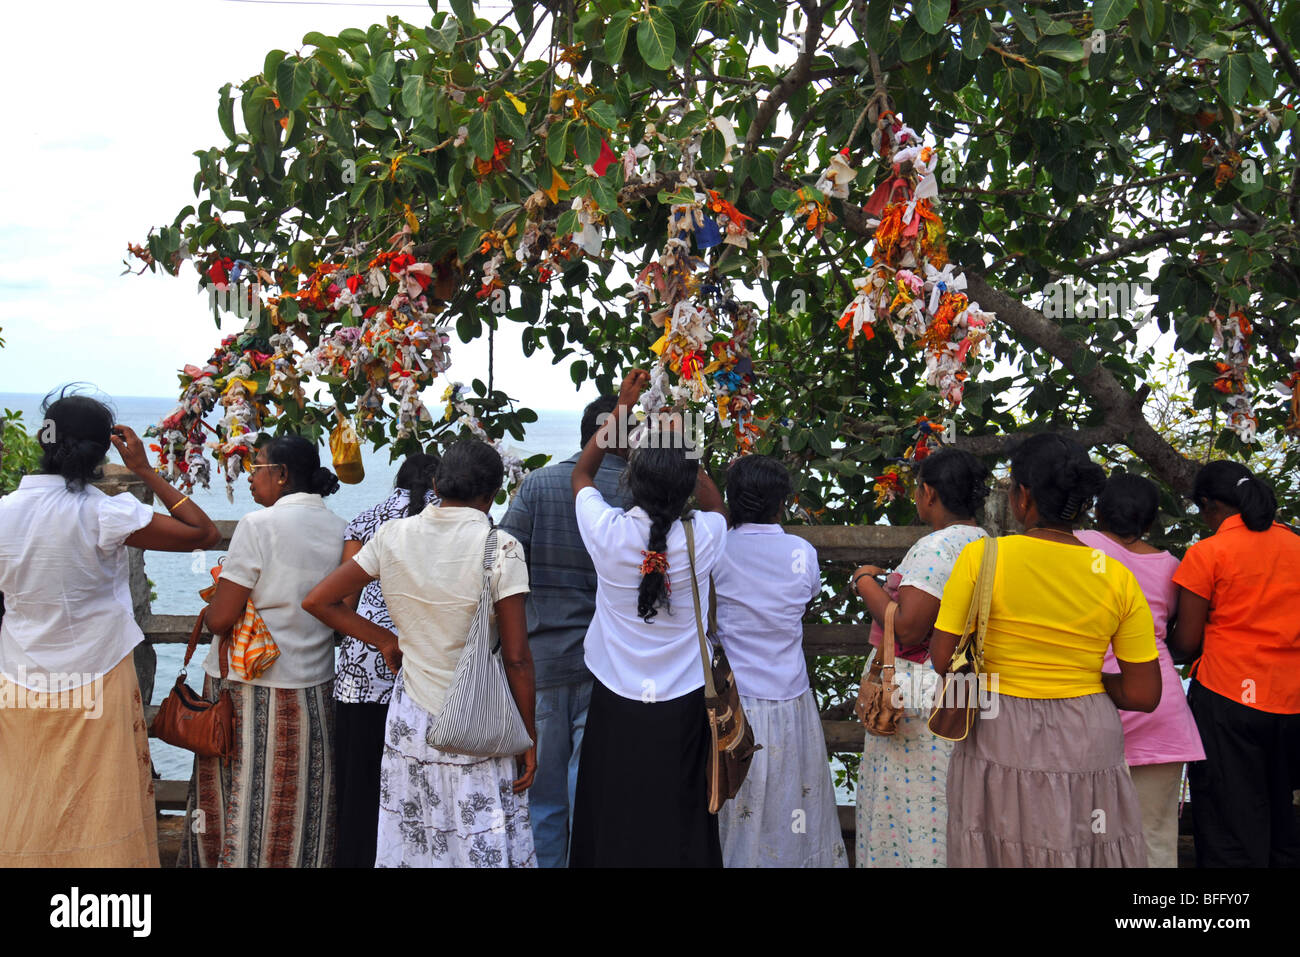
x: 131, y: 449
x: 634, y: 383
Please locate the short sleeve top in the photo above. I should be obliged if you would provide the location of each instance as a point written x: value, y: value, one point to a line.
x: 64, y: 574
x: 1055, y: 611
x: 652, y: 661
x: 431, y: 569
x: 1252, y: 636
x: 281, y: 553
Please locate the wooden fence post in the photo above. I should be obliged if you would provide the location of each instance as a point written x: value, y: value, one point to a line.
x: 117, y: 479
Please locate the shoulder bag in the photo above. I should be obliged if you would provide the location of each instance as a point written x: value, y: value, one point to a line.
x: 188, y: 720
x: 877, y: 706
x: 479, y: 716
x: 957, y: 705
x: 732, y: 744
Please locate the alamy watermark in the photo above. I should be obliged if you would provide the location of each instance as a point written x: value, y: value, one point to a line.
x: 658, y: 430
x: 54, y: 690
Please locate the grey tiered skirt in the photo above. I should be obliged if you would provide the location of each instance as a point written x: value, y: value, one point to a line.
x: 1043, y: 783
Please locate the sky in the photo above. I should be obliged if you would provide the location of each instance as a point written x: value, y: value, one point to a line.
x: 105, y: 112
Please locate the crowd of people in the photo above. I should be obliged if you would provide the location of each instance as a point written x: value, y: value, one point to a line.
x: 1078, y: 762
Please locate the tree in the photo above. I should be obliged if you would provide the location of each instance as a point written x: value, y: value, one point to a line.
x: 1115, y: 146
x: 1073, y: 141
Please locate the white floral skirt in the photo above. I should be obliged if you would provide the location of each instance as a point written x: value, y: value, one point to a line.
x: 784, y: 814
x: 445, y: 810
x: 902, y: 816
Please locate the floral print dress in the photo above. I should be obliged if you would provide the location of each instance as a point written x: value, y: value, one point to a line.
x: 902, y: 804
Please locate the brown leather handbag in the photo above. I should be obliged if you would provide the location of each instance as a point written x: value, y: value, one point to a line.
x: 957, y: 704
x: 188, y: 720
x: 732, y: 744
x: 878, y: 707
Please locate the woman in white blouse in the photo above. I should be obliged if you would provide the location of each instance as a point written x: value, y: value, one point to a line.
x: 641, y: 798
x: 78, y: 792
x: 784, y: 814
x: 272, y: 803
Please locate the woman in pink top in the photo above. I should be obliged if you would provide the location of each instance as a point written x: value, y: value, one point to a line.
x: 1156, y: 744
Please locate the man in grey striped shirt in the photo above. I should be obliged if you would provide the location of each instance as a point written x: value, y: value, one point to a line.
x: 561, y: 601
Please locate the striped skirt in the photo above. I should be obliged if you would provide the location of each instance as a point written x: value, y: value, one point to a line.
x: 271, y: 804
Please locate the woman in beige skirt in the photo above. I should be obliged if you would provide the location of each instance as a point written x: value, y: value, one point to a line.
x: 1041, y: 781
x: 79, y: 791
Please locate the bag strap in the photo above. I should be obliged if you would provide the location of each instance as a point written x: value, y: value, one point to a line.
x: 988, y: 568
x: 222, y: 663
x: 709, y: 689
x: 887, y: 644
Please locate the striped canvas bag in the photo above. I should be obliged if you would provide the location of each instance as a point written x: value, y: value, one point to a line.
x: 479, y: 716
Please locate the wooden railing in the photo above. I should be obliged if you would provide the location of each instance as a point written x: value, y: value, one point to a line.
x: 870, y: 544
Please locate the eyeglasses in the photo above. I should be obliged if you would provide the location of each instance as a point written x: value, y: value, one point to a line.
x: 269, y: 465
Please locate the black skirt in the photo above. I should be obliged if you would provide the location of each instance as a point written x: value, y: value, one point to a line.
x: 641, y: 798
x: 358, y: 748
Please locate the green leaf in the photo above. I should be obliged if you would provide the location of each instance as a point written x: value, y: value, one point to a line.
x: 1263, y: 77
x: 1108, y: 14
x: 602, y: 191
x: 976, y: 32
x: 567, y: 222
x: 713, y: 147
x: 380, y: 92
x: 931, y: 14
x: 556, y: 138
x: 482, y: 134
x: 587, y: 140
x: 784, y: 199
x: 1061, y: 48
x: 578, y: 372
x: 656, y: 38
x: 468, y: 242
x: 679, y: 197
x: 443, y: 39
x: 1234, y: 77
x: 616, y: 35
x: 412, y: 88
x: 464, y: 9
x: 761, y: 169
x: 509, y: 122
x: 602, y: 114
x: 480, y: 196
x: 226, y: 113
x: 272, y: 63
x: 292, y: 83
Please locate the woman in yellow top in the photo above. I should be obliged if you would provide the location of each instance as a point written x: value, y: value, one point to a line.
x: 1041, y: 779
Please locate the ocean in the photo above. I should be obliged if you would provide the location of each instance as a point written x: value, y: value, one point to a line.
x: 176, y: 582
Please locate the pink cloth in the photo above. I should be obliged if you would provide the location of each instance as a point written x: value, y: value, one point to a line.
x: 918, y: 653
x: 1169, y: 733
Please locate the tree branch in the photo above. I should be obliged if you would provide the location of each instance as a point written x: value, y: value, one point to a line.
x: 1283, y: 51
x: 797, y: 76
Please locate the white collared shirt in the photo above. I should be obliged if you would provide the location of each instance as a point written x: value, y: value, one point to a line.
x: 654, y: 661
x: 63, y: 572
x: 764, y: 581
x: 430, y: 567
x: 281, y: 553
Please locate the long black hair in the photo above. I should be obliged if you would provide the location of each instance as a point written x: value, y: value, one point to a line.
x: 1059, y: 474
x: 757, y: 488
x: 1128, y: 504
x: 659, y: 480
x: 74, y: 437
x: 301, y: 459
x: 1237, y: 487
x: 959, y: 479
x: 416, y: 476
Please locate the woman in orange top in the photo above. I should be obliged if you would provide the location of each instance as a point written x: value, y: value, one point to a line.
x: 1239, y: 590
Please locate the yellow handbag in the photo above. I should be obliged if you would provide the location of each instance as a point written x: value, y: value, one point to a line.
x: 252, y: 649
x: 345, y: 447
